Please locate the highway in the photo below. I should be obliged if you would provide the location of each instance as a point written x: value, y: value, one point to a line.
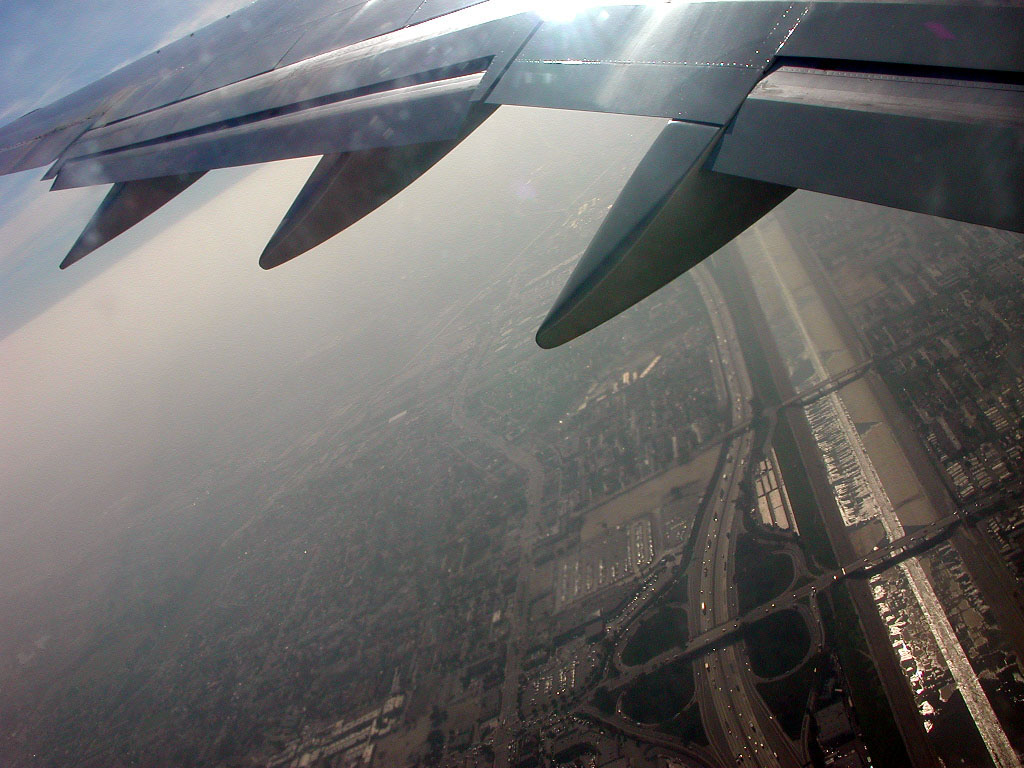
x: 866, y: 473
x: 737, y: 723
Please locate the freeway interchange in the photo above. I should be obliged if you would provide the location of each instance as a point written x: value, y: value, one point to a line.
x: 740, y: 728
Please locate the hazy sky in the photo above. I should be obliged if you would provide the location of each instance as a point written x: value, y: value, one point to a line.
x: 154, y: 347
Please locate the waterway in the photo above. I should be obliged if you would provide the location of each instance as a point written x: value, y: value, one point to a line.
x: 842, y: 423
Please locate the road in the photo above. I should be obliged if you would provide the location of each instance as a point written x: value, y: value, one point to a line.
x: 737, y: 723
x: 739, y: 726
x: 528, y: 462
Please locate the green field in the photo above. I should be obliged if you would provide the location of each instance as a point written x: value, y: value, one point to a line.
x: 604, y: 701
x: 665, y: 629
x: 787, y: 698
x: 659, y: 696
x: 686, y: 726
x: 762, y: 572
x: 777, y: 643
x: 677, y: 591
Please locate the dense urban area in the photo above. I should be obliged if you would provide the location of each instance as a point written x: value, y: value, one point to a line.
x: 772, y: 516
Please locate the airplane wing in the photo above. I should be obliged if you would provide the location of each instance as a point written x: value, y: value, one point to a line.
x: 911, y: 105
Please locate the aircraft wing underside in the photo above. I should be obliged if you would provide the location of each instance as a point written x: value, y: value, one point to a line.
x: 911, y: 105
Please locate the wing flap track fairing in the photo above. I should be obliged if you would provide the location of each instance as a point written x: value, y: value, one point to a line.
x: 126, y: 204
x: 345, y: 187
x: 672, y: 214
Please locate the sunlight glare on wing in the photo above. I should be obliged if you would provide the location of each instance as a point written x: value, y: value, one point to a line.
x: 564, y: 11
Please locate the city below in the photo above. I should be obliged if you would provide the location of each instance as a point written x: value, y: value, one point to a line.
x: 773, y: 516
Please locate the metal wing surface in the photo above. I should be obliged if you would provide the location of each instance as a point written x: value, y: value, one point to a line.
x: 912, y: 105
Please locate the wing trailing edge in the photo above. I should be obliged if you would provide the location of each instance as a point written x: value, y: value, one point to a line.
x: 374, y: 146
x: 409, y: 114
x: 949, y: 144
x: 908, y: 104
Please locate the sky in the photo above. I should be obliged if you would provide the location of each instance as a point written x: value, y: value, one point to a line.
x: 147, y: 358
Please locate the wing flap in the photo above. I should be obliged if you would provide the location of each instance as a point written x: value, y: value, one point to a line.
x: 676, y: 91
x: 219, y: 74
x: 40, y: 136
x: 967, y: 36
x: 416, y: 114
x: 405, y: 58
x: 47, y: 148
x: 943, y: 146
